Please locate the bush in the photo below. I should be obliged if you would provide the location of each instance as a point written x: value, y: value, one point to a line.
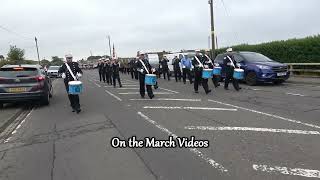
x: 306, y: 50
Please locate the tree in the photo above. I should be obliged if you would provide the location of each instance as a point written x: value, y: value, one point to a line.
x: 56, y: 61
x: 16, y: 55
x: 45, y: 62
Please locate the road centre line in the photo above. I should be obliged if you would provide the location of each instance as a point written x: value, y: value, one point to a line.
x: 267, y: 114
x: 167, y: 99
x: 287, y: 171
x: 190, y: 108
x: 116, y: 97
x: 128, y: 93
x: 210, y: 161
x: 97, y: 85
x: 294, y: 94
x: 289, y: 131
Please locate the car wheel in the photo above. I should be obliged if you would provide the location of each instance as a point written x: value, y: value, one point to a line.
x: 251, y: 79
x: 45, y: 99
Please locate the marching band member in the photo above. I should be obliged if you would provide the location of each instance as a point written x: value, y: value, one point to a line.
x: 215, y: 79
x: 143, y: 67
x: 165, y: 67
x: 68, y: 76
x: 176, y: 67
x: 198, y: 63
x: 186, y: 66
x: 230, y: 64
x: 115, y: 73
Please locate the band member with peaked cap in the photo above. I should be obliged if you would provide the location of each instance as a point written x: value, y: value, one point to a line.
x: 186, y: 67
x: 74, y: 67
x: 115, y: 73
x: 131, y: 66
x: 109, y: 72
x: 230, y: 64
x: 176, y: 68
x: 199, y: 65
x: 165, y: 68
x: 142, y: 64
x: 100, y: 69
x: 215, y: 79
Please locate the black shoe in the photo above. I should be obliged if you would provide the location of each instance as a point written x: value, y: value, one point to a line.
x: 225, y: 88
x: 209, y: 91
x: 142, y: 97
x: 73, y: 110
x: 156, y: 87
x: 120, y: 86
x: 152, y: 96
x: 196, y: 92
x: 78, y: 111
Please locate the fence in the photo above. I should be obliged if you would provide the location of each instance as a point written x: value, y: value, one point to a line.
x: 312, y: 69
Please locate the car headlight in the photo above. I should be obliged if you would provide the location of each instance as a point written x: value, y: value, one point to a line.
x: 263, y: 67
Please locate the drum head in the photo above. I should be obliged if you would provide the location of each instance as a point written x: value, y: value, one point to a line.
x: 75, y: 83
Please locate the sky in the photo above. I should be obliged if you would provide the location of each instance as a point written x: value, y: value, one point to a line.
x: 81, y: 27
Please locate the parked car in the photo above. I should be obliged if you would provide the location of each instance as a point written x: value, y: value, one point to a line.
x: 24, y: 83
x: 53, y: 72
x: 257, y: 68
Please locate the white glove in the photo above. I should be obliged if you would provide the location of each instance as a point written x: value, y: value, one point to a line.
x: 79, y: 75
x: 141, y: 70
x: 206, y: 66
x: 63, y: 75
x: 153, y: 70
x: 239, y: 65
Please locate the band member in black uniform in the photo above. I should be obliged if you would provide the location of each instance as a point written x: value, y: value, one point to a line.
x: 165, y: 67
x: 135, y: 69
x: 176, y: 68
x: 198, y: 63
x: 131, y: 65
x: 66, y: 75
x: 215, y: 79
x: 116, y: 74
x: 100, y: 69
x: 142, y: 64
x: 230, y: 64
x: 104, y: 70
x: 109, y: 72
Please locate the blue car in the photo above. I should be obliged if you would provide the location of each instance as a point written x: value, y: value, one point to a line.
x: 257, y: 68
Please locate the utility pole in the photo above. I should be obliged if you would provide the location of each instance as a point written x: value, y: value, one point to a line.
x: 109, y: 46
x: 212, y: 30
x: 37, y: 49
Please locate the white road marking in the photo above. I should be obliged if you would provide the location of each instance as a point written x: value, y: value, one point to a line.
x: 210, y: 161
x: 267, y: 114
x: 192, y: 108
x: 19, y: 125
x: 119, y: 99
x: 289, y: 131
x: 167, y: 99
x: 287, y: 171
x: 130, y: 81
x: 256, y: 89
x: 169, y: 90
x: 127, y: 88
x: 294, y: 94
x: 97, y: 85
x: 139, y: 93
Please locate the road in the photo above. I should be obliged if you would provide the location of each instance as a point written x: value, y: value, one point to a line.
x: 261, y: 132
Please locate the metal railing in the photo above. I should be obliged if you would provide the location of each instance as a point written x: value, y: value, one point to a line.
x: 304, y: 68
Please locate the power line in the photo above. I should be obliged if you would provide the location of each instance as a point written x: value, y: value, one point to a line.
x: 15, y: 33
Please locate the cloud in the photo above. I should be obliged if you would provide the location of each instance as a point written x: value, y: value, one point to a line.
x: 81, y: 26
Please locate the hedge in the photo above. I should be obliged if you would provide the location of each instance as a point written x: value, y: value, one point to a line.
x: 306, y: 50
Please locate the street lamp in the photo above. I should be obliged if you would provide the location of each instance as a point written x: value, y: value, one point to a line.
x: 212, y: 30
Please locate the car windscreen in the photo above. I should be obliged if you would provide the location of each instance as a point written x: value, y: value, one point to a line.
x: 18, y: 72
x: 255, y: 57
x: 54, y: 68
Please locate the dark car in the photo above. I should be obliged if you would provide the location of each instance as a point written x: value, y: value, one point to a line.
x: 257, y: 68
x: 24, y: 83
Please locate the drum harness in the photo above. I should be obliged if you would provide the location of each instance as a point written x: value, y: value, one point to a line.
x: 145, y: 67
x: 68, y: 67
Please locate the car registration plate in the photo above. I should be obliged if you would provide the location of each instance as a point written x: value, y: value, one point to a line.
x: 17, y: 90
x: 282, y: 74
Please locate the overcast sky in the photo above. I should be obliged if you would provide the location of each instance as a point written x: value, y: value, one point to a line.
x: 81, y: 26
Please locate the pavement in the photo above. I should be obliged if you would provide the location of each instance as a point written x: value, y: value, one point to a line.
x: 261, y: 132
x: 304, y: 80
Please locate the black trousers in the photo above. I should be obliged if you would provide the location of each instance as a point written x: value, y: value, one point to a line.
x: 132, y: 73
x: 74, y: 99
x: 177, y: 74
x: 198, y: 79
x: 229, y: 77
x: 109, y: 77
x: 166, y: 72
x: 100, y: 75
x: 215, y: 80
x: 104, y: 74
x: 136, y: 74
x: 185, y: 73
x: 116, y: 77
x: 142, y: 86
